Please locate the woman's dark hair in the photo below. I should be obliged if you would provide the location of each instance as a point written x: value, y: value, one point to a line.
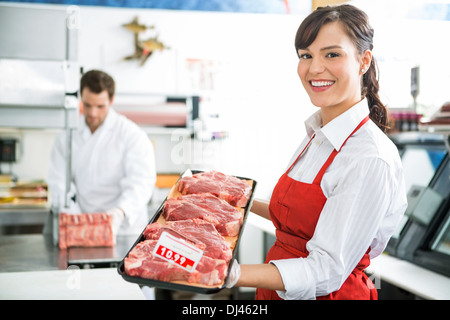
x: 356, y: 24
x: 98, y: 81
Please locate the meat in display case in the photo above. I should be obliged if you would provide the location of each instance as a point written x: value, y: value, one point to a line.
x: 192, y: 239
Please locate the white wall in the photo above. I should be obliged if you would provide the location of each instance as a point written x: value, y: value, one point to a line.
x: 406, y: 37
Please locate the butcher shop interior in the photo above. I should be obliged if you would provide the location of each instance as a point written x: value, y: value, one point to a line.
x: 211, y: 98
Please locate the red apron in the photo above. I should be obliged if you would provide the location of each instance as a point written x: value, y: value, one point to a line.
x: 295, y: 208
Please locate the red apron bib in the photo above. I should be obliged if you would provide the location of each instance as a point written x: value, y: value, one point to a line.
x: 295, y: 208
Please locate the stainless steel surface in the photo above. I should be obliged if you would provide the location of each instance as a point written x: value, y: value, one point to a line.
x: 98, y: 255
x: 38, y: 66
x: 39, y: 70
x: 68, y: 163
x: 32, y: 118
x: 37, y: 252
x: 30, y: 253
x: 43, y: 30
x: 33, y: 93
x: 23, y: 216
x: 32, y: 83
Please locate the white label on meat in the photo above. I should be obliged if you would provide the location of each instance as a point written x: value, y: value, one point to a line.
x: 178, y: 251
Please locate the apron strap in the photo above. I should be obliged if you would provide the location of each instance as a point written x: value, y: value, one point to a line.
x: 301, y: 153
x: 333, y: 154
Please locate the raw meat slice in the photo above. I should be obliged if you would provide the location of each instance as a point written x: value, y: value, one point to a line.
x: 225, y: 217
x: 141, y: 262
x: 196, y: 231
x: 85, y: 230
x: 231, y: 189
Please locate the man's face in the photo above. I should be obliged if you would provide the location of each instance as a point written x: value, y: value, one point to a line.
x: 95, y: 107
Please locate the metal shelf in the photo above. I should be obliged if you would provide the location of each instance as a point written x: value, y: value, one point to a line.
x: 39, y: 71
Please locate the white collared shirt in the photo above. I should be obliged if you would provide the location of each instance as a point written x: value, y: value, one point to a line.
x: 366, y: 199
x: 112, y: 167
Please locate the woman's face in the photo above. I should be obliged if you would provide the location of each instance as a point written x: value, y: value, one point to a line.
x: 330, y: 71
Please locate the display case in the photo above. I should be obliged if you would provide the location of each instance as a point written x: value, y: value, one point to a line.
x: 442, y: 241
x: 423, y: 240
x: 421, y: 154
x: 431, y: 248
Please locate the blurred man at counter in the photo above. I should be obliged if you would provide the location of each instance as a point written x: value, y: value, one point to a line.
x: 113, y: 166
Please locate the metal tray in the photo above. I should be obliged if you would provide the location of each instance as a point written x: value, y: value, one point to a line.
x: 175, y: 285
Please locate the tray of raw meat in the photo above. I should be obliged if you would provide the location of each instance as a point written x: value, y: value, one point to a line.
x: 191, y: 240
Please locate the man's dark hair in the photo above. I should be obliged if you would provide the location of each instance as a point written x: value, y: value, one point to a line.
x: 98, y: 81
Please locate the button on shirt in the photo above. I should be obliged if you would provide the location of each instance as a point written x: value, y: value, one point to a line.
x: 366, y: 199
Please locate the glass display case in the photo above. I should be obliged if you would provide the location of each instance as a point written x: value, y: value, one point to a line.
x: 442, y: 242
x: 421, y: 154
x: 434, y: 252
x: 425, y: 237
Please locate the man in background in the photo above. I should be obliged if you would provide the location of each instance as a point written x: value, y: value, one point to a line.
x: 113, y: 166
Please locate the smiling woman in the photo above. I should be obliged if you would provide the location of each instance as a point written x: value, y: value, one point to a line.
x: 330, y: 73
x: 343, y: 193
x: 343, y: 41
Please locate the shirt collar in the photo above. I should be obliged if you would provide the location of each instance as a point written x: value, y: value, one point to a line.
x: 107, y: 124
x: 110, y: 119
x: 338, y: 130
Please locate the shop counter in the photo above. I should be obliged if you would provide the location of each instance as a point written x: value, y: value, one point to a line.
x: 70, y: 284
x: 421, y: 282
x: 31, y: 267
x: 36, y: 252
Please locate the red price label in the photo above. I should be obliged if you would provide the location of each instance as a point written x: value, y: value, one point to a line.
x: 178, y: 251
x: 175, y: 257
